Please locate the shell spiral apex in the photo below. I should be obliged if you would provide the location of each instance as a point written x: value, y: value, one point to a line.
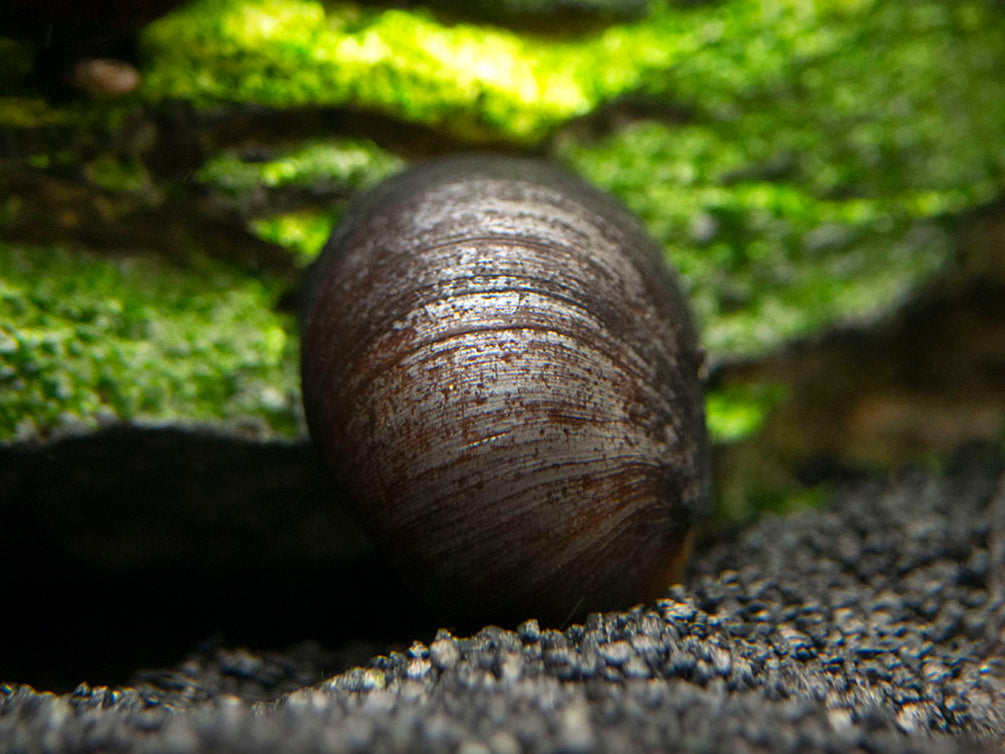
x: 502, y: 373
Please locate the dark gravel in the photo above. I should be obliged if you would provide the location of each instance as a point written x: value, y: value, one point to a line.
x: 876, y: 624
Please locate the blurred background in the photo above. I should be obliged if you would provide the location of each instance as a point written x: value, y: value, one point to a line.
x: 828, y: 177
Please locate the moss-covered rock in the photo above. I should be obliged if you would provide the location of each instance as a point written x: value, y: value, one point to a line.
x: 344, y: 165
x: 825, y: 144
x: 802, y: 161
x: 767, y: 260
x: 324, y: 168
x: 86, y: 340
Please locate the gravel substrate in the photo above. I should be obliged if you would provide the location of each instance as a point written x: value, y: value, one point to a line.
x: 876, y: 624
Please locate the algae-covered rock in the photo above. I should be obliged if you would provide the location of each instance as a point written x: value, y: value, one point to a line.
x: 86, y: 341
x: 823, y: 142
x: 803, y: 163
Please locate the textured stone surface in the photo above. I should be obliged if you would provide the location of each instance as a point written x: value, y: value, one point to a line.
x: 875, y: 624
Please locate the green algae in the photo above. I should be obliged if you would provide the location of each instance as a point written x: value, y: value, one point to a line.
x: 470, y: 80
x: 766, y: 260
x: 339, y: 165
x: 737, y: 412
x: 304, y: 233
x: 802, y: 167
x: 335, y: 167
x: 475, y: 81
x: 488, y: 82
x: 84, y: 340
x: 288, y: 52
x: 820, y: 190
x: 825, y: 142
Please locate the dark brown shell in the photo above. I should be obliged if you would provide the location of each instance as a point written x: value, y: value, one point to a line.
x: 503, y: 374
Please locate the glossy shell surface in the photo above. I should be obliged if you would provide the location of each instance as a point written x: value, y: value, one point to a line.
x: 502, y: 374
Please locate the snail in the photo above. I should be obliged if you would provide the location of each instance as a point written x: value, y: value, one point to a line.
x: 502, y: 374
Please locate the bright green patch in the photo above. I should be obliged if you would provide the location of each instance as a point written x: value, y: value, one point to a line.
x: 338, y: 165
x: 334, y: 167
x: 474, y: 81
x: 138, y: 340
x: 486, y: 82
x: 463, y: 78
x: 304, y: 233
x: 736, y: 413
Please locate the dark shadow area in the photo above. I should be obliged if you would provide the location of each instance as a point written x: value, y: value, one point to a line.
x: 917, y: 385
x: 127, y: 548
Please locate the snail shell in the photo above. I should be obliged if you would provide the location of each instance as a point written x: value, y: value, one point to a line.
x: 502, y: 373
